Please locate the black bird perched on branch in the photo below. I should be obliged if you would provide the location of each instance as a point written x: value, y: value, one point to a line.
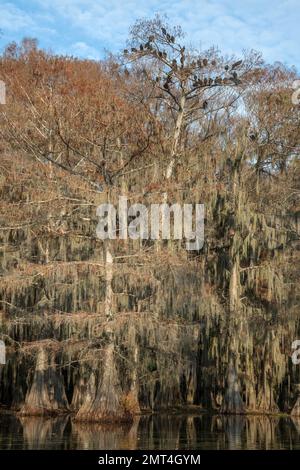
x: 125, y: 51
x: 236, y: 64
x: 164, y: 31
x: 133, y: 49
x: 235, y: 79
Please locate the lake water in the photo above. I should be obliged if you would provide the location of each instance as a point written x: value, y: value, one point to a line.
x: 164, y: 431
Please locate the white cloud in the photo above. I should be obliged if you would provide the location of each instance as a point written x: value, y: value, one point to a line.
x: 83, y: 50
x: 14, y: 19
x: 271, y: 27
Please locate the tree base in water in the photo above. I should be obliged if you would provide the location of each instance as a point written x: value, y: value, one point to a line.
x: 110, y: 404
x: 46, y: 397
x: 296, y: 408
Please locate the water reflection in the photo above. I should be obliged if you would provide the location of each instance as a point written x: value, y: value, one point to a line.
x: 41, y: 433
x: 104, y: 436
x: 152, y: 432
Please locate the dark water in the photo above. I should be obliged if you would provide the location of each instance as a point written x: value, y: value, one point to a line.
x: 152, y: 432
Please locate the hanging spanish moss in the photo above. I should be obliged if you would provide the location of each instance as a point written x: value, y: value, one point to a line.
x: 106, y: 330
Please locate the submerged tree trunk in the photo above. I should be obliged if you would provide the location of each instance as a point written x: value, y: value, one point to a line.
x: 46, y: 395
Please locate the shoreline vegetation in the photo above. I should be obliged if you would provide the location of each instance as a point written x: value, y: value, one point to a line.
x: 107, y: 329
x: 192, y: 410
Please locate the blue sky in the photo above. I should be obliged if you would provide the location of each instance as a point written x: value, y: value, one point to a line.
x: 86, y: 28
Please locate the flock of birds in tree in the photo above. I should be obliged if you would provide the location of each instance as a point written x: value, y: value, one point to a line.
x: 179, y: 68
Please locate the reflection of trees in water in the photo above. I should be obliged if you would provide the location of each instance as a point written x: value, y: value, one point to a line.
x: 105, y: 436
x: 10, y: 427
x: 249, y: 432
x: 234, y: 427
x: 296, y: 423
x: 152, y: 432
x: 262, y: 431
x: 160, y: 431
x: 41, y: 433
x: 217, y: 432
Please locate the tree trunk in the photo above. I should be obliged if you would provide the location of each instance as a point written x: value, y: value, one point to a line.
x: 46, y: 395
x: 296, y: 408
x: 176, y: 138
x: 108, y: 281
x: 109, y: 404
x: 234, y: 287
x: 232, y: 403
